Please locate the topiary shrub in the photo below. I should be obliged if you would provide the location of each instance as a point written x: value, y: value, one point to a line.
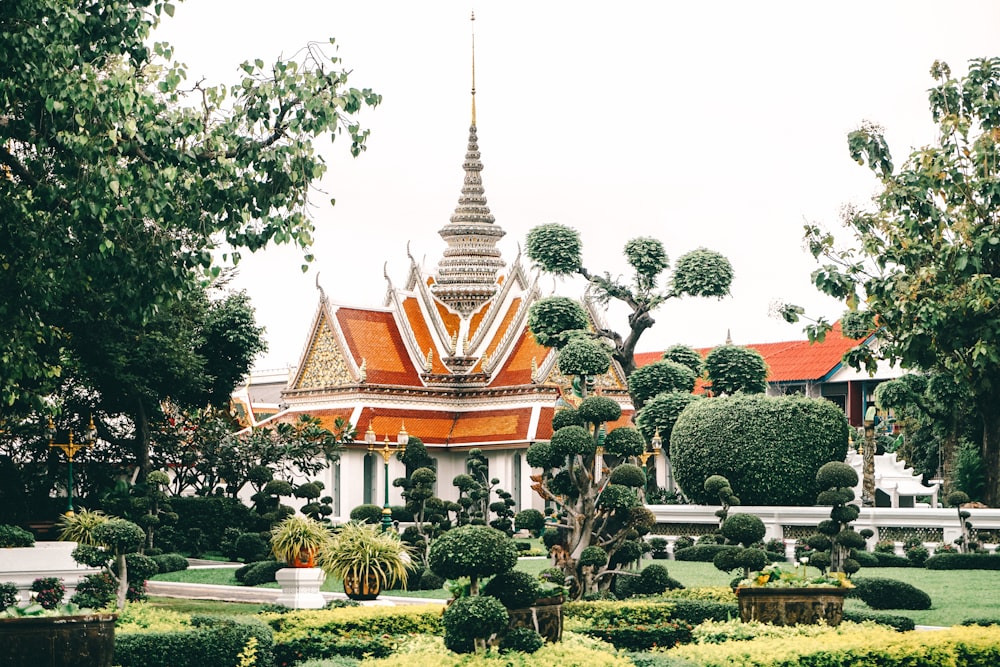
x: 472, y: 551
x: 471, y: 618
x: 170, y: 562
x: 683, y: 542
x: 532, y: 521
x: 653, y: 580
x: 429, y: 581
x: 525, y: 640
x: 261, y: 572
x: 880, y: 593
x: 251, y: 547
x: 741, y: 436
x: 891, y: 560
x: 628, y: 475
x: 48, y: 591
x: 958, y: 561
x: 212, y: 640
x: 14, y: 537
x: 367, y: 513
x: 94, y: 591
x: 918, y: 555
x: 515, y: 589
x: 593, y: 557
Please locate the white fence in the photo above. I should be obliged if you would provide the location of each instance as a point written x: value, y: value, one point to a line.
x: 930, y: 525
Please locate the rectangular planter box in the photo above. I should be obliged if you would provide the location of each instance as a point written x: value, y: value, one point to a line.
x: 792, y: 606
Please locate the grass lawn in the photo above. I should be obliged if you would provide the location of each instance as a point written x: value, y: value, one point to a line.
x: 956, y: 595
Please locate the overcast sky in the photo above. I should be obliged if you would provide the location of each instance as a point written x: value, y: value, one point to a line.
x: 716, y: 124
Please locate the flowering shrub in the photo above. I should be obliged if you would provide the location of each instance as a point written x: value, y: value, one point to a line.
x: 772, y: 576
x: 48, y: 591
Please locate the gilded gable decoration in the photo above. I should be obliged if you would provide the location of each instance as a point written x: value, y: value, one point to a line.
x: 325, y: 365
x: 534, y: 370
x: 363, y: 371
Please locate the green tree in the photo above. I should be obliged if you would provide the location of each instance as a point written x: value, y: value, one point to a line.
x: 927, y: 260
x: 732, y: 368
x: 557, y: 249
x: 118, y: 179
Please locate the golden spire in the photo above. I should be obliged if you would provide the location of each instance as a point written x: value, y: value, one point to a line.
x: 473, y: 19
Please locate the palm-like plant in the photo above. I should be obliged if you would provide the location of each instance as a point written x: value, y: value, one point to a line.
x: 298, y: 539
x: 79, y: 526
x: 366, y: 559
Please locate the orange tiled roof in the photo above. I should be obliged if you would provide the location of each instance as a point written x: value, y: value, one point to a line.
x: 498, y: 336
x: 450, y: 319
x: 517, y: 370
x: 373, y: 336
x: 790, y: 361
x: 422, y: 333
x: 326, y: 416
x: 445, y: 427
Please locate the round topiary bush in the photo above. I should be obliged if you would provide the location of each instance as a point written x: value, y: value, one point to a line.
x: 653, y: 580
x: 660, y: 377
x: 599, y: 410
x: 368, y: 513
x: 628, y: 475
x: 624, y: 441
x: 745, y: 529
x: 429, y: 581
x: 470, y: 618
x: 880, y: 593
x: 260, y: 573
x: 472, y: 551
x: 593, y: 556
x: 746, y: 438
x: 532, y: 521
x: 525, y: 640
x: 514, y: 589
x: 172, y: 562
x: 572, y: 440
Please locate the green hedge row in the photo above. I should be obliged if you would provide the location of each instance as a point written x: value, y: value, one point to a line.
x: 212, y: 640
x: 977, y: 561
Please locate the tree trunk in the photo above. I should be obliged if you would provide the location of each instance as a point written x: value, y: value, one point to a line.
x: 991, y: 452
x: 122, y: 581
x: 142, y: 440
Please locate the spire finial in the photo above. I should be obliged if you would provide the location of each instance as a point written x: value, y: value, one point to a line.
x: 473, y: 20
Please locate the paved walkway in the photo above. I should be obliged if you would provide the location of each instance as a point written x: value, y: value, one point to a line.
x: 173, y: 589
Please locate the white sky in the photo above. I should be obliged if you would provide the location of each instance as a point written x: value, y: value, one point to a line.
x: 717, y: 124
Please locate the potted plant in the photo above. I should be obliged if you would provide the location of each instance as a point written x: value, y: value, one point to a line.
x: 789, y: 597
x: 298, y: 540
x: 65, y: 636
x: 366, y: 559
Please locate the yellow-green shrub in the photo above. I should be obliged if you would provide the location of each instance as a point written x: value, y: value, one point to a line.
x: 967, y: 647
x: 713, y: 593
x: 572, y: 650
x: 141, y: 617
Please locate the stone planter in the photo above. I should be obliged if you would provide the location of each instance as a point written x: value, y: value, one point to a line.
x: 300, y: 587
x: 545, y: 617
x: 362, y: 588
x: 791, y: 606
x: 87, y: 640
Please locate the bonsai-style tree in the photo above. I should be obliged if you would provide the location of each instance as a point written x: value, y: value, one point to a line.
x: 837, y: 481
x: 744, y: 530
x: 732, y: 369
x: 594, y: 508
x: 474, y: 552
x: 557, y: 249
x: 956, y: 499
x: 718, y: 489
x: 118, y: 537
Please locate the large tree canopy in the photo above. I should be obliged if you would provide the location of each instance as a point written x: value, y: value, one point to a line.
x: 927, y: 262
x: 118, y: 178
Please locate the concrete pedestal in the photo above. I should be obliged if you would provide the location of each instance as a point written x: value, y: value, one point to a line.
x: 300, y: 587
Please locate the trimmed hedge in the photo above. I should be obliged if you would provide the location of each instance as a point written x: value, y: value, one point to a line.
x: 209, y: 517
x: 746, y: 438
x: 704, y: 553
x: 975, y: 561
x: 212, y: 640
x: 890, y: 560
x: 880, y: 593
x: 349, y: 631
x: 170, y: 562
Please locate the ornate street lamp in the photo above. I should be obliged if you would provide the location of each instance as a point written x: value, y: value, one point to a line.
x: 71, y: 448
x: 657, y: 445
x: 386, y: 451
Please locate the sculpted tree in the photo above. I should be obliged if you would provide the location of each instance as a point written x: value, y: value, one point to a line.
x: 118, y: 178
x: 926, y: 269
x: 557, y: 249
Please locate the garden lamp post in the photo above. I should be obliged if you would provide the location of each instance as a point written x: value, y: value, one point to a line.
x: 71, y: 448
x: 386, y: 451
x: 657, y: 445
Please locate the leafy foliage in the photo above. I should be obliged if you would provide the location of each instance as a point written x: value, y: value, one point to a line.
x: 732, y: 369
x: 662, y: 376
x: 554, y: 320
x: 750, y: 438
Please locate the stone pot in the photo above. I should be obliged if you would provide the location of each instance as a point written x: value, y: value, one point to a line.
x: 792, y: 606
x: 86, y: 640
x: 545, y: 616
x: 364, y: 587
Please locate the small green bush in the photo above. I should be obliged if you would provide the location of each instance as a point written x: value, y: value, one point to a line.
x: 261, y: 572
x: 984, y: 622
x: 211, y: 641
x: 702, y: 553
x: 48, y: 591
x: 864, y: 558
x: 515, y: 589
x: 530, y: 520
x: 895, y: 621
x: 880, y: 593
x: 470, y: 618
x: 956, y: 561
x: 368, y: 513
x: 633, y: 638
x: 15, y: 536
x: 889, y: 560
x: 472, y: 551
x: 525, y: 640
x: 653, y: 580
x: 94, y: 591
x: 429, y: 581
x: 9, y: 594
x: 173, y: 562
x: 918, y: 555
x: 251, y: 547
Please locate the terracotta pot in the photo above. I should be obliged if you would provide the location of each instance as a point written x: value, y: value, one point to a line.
x: 545, y: 616
x: 362, y: 588
x: 87, y: 640
x: 792, y: 606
